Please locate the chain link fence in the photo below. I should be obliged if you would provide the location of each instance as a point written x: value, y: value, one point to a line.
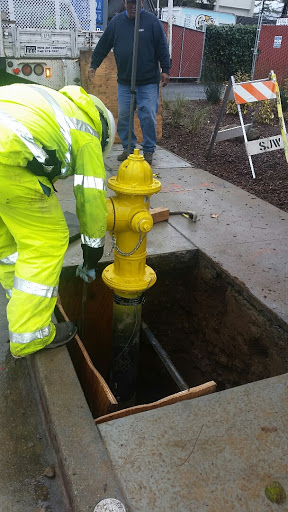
x: 273, y: 52
x: 51, y: 14
x: 187, y: 51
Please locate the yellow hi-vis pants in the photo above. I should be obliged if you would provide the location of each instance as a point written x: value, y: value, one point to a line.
x: 33, y: 240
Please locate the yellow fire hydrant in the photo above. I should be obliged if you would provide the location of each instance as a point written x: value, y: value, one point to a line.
x: 129, y: 221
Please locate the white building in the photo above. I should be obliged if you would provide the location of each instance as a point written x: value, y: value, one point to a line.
x: 238, y: 7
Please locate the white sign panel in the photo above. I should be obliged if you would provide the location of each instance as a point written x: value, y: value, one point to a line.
x: 277, y: 42
x: 254, y: 147
x: 197, y: 18
x: 282, y: 21
x: 45, y: 50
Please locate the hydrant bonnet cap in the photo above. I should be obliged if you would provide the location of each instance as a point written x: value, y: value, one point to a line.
x: 135, y: 177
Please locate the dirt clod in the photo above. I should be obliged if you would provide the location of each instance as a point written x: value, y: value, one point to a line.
x: 50, y: 472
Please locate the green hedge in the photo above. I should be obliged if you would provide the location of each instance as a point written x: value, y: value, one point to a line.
x: 228, y: 49
x: 7, y: 79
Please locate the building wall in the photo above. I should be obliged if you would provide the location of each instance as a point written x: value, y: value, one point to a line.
x: 238, y: 7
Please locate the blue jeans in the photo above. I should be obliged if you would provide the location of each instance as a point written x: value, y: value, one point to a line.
x: 146, y: 101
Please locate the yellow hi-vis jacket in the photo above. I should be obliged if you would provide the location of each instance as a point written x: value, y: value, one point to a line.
x: 35, y: 118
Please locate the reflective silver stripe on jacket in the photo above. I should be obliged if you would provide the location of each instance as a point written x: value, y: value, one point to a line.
x: 9, y: 292
x: 34, y: 288
x: 65, y: 124
x: 89, y: 182
x: 26, y: 337
x: 83, y: 127
x: 24, y: 134
x: 9, y: 260
x: 93, y: 242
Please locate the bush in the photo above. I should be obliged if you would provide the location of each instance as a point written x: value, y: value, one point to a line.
x: 284, y: 95
x: 265, y: 114
x: 213, y: 92
x: 229, y: 48
x: 196, y: 120
x: 213, y: 84
x: 175, y: 110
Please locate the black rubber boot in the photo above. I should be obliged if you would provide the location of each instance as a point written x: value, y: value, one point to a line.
x: 122, y: 156
x: 148, y: 157
x: 65, y: 331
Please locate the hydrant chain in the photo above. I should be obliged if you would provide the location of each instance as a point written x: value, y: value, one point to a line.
x: 133, y: 250
x: 112, y: 247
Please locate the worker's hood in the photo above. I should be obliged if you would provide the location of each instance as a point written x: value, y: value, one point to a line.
x: 95, y: 108
x: 108, y: 125
x: 82, y: 100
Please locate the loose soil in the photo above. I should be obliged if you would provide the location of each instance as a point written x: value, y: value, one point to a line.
x: 211, y: 328
x: 229, y: 159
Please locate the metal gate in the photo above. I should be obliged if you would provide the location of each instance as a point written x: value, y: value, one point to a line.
x: 187, y: 51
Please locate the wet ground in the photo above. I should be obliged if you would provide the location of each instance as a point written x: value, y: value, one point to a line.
x: 29, y: 478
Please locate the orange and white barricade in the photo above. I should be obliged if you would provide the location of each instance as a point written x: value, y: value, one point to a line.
x: 248, y: 92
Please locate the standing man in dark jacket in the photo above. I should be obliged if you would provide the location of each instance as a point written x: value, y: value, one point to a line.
x: 152, y: 50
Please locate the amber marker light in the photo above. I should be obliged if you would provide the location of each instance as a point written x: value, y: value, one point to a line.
x: 48, y: 72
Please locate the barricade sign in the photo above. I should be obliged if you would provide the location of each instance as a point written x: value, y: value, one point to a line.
x: 248, y: 92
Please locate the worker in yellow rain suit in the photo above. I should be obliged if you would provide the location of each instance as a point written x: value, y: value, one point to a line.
x: 46, y: 135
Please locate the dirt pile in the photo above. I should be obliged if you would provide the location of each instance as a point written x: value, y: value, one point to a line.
x: 229, y: 159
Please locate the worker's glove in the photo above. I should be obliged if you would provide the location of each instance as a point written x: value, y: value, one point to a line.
x: 91, y: 73
x: 91, y: 256
x: 88, y: 275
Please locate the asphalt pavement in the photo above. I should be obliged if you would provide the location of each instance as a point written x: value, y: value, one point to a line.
x: 187, y: 91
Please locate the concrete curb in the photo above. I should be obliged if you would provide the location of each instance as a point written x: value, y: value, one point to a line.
x: 85, y: 467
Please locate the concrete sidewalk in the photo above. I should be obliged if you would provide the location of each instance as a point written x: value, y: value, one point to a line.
x: 214, y: 453
x: 26, y: 452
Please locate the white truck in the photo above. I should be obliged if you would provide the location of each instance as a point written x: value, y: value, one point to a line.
x: 41, y: 40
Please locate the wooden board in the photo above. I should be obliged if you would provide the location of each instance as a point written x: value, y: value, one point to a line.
x: 203, y: 389
x: 104, y: 86
x: 159, y: 214
x: 97, y: 392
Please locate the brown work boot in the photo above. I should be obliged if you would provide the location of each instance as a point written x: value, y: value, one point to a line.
x: 65, y: 331
x: 123, y: 156
x: 148, y: 157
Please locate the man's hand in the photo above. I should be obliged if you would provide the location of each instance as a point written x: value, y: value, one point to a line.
x: 164, y: 79
x: 91, y: 73
x: 88, y: 275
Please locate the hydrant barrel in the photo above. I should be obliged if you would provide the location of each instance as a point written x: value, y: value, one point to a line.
x: 129, y: 221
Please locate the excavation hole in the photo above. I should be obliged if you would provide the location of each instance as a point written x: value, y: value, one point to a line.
x: 211, y: 327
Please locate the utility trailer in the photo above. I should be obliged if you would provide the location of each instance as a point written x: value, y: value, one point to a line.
x: 41, y: 40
